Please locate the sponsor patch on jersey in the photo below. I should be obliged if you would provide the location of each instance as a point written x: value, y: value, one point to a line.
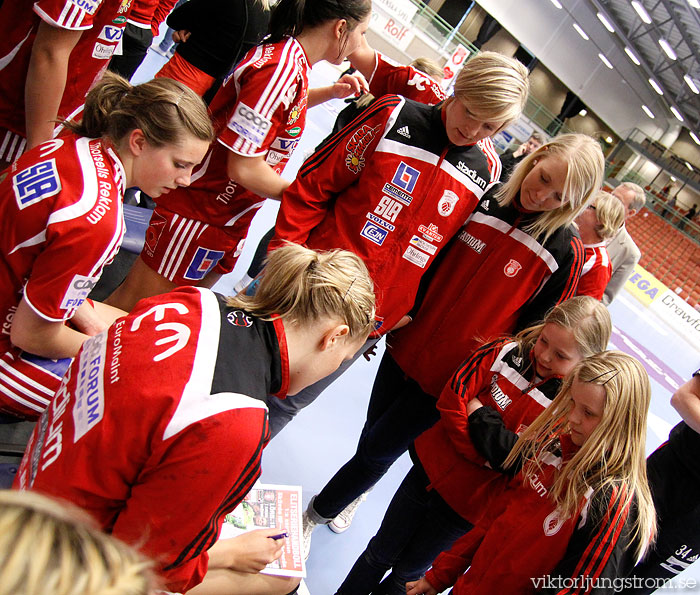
x: 249, y: 124
x: 297, y: 110
x: 474, y: 243
x: 89, y: 6
x: 296, y: 131
x: 110, y: 33
x: 512, y: 268
x: 89, y: 405
x: 380, y: 221
x: 239, y: 318
x: 155, y: 229
x: 203, y: 261
x: 119, y: 20
x: 284, y: 145
x: 374, y: 233
x: 274, y: 157
x: 102, y: 51
x: 447, y: 203
x: 124, y: 6
x: 431, y: 232
x: 79, y: 288
x: 357, y: 145
x: 471, y: 174
x: 35, y: 183
x: 405, y: 177
x: 416, y: 256
x: 388, y: 208
x: 423, y: 245
x: 501, y: 399
x: 552, y: 523
x: 398, y: 194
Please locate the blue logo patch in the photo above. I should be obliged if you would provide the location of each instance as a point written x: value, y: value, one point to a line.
x: 203, y: 261
x: 36, y: 183
x: 374, y: 233
x: 405, y: 177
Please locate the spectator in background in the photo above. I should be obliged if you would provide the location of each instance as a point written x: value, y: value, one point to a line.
x: 687, y: 217
x: 597, y: 224
x: 510, y: 159
x: 624, y: 253
x: 141, y: 27
x: 670, y: 202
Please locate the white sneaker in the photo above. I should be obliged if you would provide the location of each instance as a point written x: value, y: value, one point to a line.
x: 342, y: 521
x: 308, y: 527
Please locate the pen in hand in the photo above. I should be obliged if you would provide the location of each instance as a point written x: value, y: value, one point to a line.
x: 279, y: 536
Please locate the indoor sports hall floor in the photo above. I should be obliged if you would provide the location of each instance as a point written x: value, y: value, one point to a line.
x: 324, y: 436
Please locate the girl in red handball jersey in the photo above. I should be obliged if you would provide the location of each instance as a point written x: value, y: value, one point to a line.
x: 62, y: 207
x: 159, y: 426
x: 579, y: 513
x: 195, y: 236
x: 597, y: 225
x: 492, y: 397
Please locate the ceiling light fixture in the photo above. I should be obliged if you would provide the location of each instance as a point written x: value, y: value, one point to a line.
x: 609, y: 140
x: 606, y: 22
x: 605, y: 61
x: 690, y: 167
x: 643, y: 14
x: 694, y: 3
x: 666, y: 47
x: 648, y: 112
x: 557, y: 3
x: 691, y: 83
x: 695, y: 137
x: 632, y: 56
x: 580, y: 31
x: 583, y: 113
x: 676, y: 113
x: 656, y: 87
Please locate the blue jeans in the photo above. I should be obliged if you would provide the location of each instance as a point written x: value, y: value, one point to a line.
x: 398, y: 412
x: 417, y: 526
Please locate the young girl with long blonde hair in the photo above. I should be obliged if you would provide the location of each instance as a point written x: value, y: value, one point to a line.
x: 579, y: 513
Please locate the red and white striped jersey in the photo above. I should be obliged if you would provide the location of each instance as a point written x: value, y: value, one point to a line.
x: 62, y: 208
x: 389, y: 77
x: 159, y: 425
x: 596, y: 272
x: 259, y: 111
x: 19, y: 21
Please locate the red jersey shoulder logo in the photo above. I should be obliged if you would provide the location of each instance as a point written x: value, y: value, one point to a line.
x: 552, y: 523
x: 512, y: 268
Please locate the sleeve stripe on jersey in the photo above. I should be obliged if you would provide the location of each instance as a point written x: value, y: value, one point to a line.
x: 284, y: 76
x: 71, y: 17
x: 209, y: 534
x: 462, y: 376
x: 327, y: 148
x: 575, y: 272
x: 600, y: 548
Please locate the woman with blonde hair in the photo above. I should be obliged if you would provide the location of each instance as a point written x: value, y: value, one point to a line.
x: 514, y: 258
x: 178, y: 442
x: 500, y: 389
x: 52, y: 548
x: 579, y: 513
x: 597, y: 225
x: 61, y: 204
